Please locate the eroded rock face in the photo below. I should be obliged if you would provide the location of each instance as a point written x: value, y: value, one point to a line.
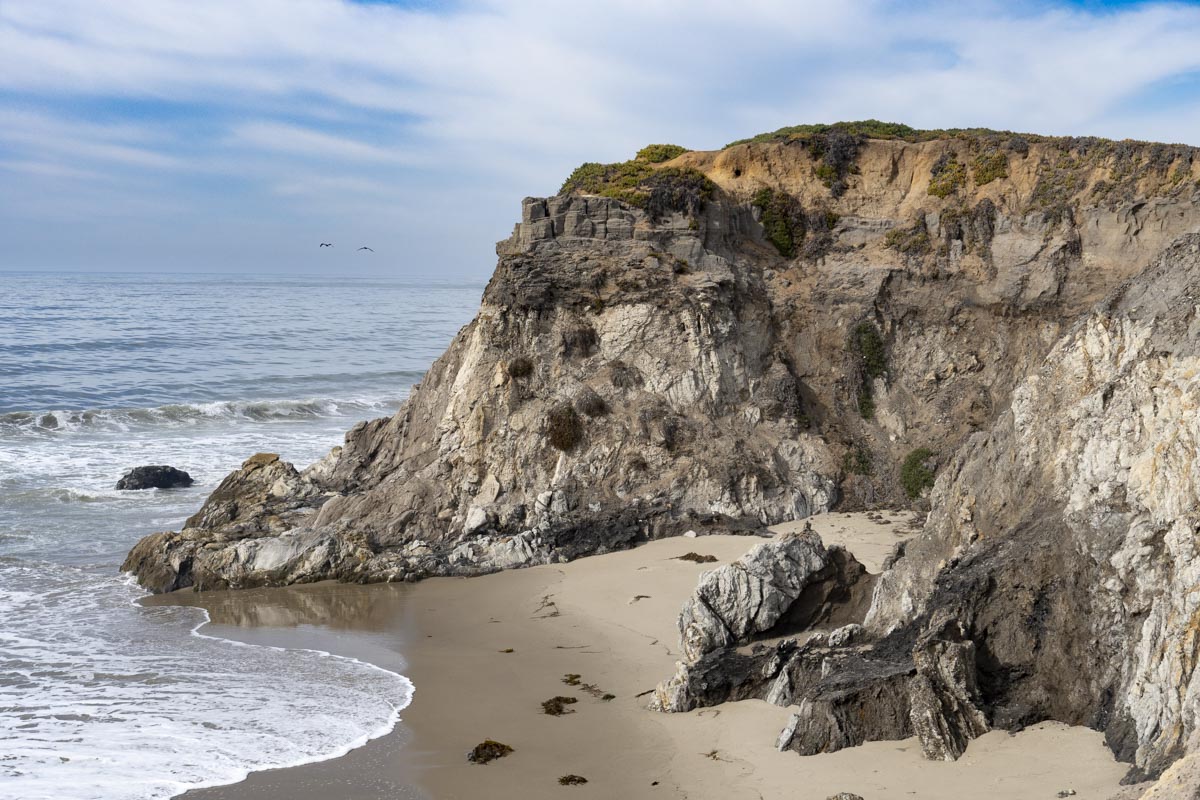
x: 604, y: 395
x: 1095, y: 468
x: 1058, y: 573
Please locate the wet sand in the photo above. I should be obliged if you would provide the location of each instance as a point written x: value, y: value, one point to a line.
x: 610, y: 620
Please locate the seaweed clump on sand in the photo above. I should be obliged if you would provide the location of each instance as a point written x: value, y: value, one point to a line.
x: 557, y: 706
x: 697, y: 558
x: 488, y: 750
x: 572, y: 780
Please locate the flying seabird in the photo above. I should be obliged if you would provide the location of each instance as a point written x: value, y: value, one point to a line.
x: 366, y: 248
x: 326, y: 244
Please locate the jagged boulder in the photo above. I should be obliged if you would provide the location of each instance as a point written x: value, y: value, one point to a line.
x: 790, y: 579
x: 253, y: 498
x: 778, y: 588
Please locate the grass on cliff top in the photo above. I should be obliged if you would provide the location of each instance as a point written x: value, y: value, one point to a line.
x: 875, y: 129
x: 638, y: 182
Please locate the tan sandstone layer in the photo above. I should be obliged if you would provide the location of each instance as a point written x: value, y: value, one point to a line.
x: 582, y: 618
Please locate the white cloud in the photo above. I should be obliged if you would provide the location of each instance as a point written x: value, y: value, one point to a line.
x: 500, y: 98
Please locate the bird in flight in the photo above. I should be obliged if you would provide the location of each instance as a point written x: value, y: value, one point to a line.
x: 326, y: 244
x: 366, y: 248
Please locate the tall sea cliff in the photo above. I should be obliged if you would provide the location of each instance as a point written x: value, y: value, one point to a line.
x: 823, y: 317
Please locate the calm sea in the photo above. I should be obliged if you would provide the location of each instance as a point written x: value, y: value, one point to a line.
x: 100, y: 697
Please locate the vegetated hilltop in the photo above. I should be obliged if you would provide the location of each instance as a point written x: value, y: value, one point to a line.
x: 825, y: 316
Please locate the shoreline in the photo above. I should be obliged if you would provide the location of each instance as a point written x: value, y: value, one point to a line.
x: 609, y: 619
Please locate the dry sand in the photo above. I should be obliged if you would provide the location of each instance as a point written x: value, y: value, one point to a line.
x: 611, y: 620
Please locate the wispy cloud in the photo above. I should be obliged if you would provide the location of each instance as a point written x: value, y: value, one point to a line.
x: 421, y: 124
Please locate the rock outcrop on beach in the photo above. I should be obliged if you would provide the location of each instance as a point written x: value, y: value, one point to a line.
x: 820, y: 317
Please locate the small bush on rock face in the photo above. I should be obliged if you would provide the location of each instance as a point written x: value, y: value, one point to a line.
x: 579, y: 342
x: 564, y: 428
x: 676, y: 190
x: 913, y: 240
x: 520, y: 367
x: 868, y: 344
x: 782, y: 219
x: 866, y: 405
x: 837, y: 149
x: 857, y: 461
x: 948, y: 176
x: 623, y: 376
x: 591, y: 404
x: 915, y: 475
x: 990, y: 166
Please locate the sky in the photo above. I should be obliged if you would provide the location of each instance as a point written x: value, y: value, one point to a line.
x: 236, y: 135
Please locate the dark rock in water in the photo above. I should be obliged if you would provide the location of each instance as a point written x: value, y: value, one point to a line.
x: 155, y: 477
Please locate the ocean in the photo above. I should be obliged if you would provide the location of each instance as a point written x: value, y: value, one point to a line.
x: 101, y: 697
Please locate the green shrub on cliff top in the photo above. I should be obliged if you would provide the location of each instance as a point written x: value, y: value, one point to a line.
x: 915, y: 476
x: 656, y: 190
x: 657, y: 153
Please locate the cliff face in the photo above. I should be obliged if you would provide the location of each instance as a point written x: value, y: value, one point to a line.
x: 1057, y: 575
x: 811, y: 319
x: 722, y: 341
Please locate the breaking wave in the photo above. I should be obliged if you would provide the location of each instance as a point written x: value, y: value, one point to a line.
x: 57, y: 421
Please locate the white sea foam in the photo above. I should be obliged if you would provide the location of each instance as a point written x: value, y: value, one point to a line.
x: 136, y: 705
x: 86, y: 713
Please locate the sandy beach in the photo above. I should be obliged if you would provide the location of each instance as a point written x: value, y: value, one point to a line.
x: 485, y: 653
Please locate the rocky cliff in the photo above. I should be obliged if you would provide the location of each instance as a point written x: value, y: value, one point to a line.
x: 823, y: 316
x: 711, y: 340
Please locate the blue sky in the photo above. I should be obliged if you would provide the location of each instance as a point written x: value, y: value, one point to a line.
x: 235, y: 135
